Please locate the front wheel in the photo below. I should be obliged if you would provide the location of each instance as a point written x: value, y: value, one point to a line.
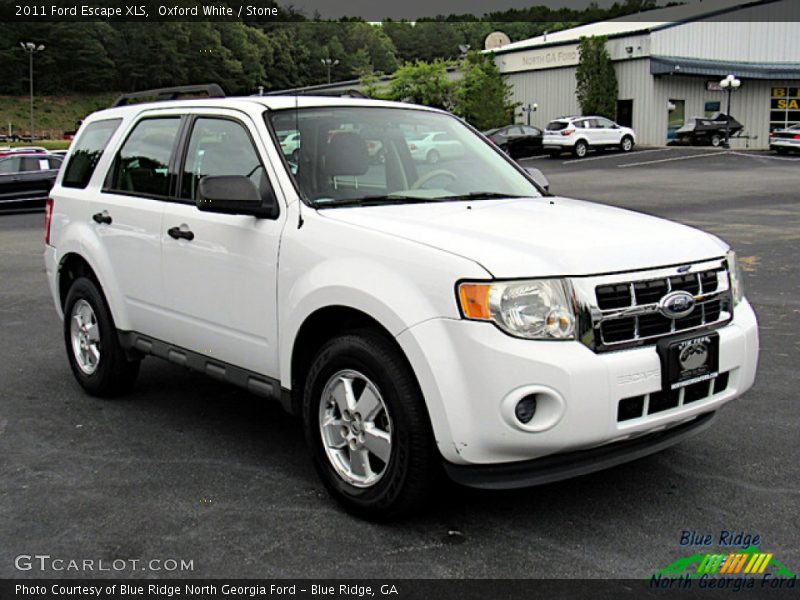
x: 716, y: 140
x: 368, y: 428
x: 95, y: 355
x: 627, y: 144
x: 433, y: 157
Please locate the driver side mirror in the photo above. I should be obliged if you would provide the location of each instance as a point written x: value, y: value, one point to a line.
x: 235, y: 195
x: 539, y: 178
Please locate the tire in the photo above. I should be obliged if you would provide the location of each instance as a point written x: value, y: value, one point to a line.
x: 626, y: 145
x: 87, y: 320
x: 433, y: 157
x: 376, y: 368
x: 580, y: 149
x: 295, y: 155
x: 716, y: 140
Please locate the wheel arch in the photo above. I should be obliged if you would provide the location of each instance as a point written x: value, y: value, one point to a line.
x: 320, y: 326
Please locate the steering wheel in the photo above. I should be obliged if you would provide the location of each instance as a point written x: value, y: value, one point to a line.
x: 428, y: 176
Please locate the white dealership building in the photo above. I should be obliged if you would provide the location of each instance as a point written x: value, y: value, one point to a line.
x: 669, y: 63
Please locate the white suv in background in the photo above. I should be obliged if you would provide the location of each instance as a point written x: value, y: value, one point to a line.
x: 581, y: 134
x: 419, y: 318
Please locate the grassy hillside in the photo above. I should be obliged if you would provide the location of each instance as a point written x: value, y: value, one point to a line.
x: 53, y: 115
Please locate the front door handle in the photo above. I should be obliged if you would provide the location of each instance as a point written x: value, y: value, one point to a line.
x: 102, y: 218
x: 179, y: 233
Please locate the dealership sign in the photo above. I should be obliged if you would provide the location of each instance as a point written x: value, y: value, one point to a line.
x: 542, y: 58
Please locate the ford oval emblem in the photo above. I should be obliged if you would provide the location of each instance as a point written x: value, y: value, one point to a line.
x: 676, y: 305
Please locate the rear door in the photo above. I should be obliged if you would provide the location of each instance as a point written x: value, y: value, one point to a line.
x: 38, y: 176
x: 127, y: 215
x: 221, y: 285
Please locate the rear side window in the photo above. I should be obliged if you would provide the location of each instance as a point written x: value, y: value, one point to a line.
x: 557, y: 125
x: 142, y: 165
x: 86, y: 152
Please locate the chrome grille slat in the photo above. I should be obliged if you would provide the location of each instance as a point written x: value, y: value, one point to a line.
x: 617, y: 319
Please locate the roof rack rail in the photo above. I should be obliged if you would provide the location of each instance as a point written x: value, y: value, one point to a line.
x: 212, y: 90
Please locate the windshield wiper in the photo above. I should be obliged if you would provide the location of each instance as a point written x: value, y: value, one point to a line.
x: 481, y: 196
x: 373, y: 201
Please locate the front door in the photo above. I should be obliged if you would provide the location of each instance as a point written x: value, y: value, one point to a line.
x: 220, y: 285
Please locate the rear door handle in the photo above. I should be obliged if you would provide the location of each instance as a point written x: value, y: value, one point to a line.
x: 179, y: 233
x: 102, y: 218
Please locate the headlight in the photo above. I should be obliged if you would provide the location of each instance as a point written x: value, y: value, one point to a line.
x: 735, y: 273
x: 533, y: 309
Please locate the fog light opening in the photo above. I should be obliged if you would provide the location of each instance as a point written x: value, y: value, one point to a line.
x: 525, y: 409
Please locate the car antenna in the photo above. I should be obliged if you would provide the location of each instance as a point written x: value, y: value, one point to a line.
x: 297, y: 129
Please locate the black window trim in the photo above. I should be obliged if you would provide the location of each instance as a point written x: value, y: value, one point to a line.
x: 107, y: 189
x: 102, y: 152
x: 185, y: 138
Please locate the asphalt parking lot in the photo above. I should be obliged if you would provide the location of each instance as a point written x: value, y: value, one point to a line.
x: 189, y: 469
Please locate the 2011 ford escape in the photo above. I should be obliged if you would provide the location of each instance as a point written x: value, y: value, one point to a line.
x: 415, y: 315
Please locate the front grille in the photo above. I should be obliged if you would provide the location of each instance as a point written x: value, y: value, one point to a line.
x: 628, y: 311
x: 636, y: 407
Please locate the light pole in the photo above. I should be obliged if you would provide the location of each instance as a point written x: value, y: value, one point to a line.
x: 729, y: 84
x: 531, y: 108
x: 329, y: 62
x: 30, y: 48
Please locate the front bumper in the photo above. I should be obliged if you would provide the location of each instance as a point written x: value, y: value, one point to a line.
x: 558, y: 467
x: 472, y: 375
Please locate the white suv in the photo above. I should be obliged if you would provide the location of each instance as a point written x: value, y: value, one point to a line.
x: 418, y: 318
x: 580, y: 134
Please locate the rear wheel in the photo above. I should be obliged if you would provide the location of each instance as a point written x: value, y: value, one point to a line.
x: 716, y: 140
x: 95, y: 355
x: 580, y: 149
x: 433, y: 157
x: 368, y: 428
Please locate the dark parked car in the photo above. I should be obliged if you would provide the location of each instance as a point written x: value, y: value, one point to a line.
x: 700, y: 131
x: 26, y: 179
x: 786, y: 140
x: 516, y: 140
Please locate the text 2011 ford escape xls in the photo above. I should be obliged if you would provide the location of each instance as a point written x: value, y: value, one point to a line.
x: 414, y: 315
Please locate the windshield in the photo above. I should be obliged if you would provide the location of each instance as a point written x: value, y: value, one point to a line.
x: 344, y: 156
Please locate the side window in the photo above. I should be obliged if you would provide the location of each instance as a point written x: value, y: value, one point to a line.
x: 86, y: 152
x: 604, y: 123
x: 10, y: 165
x: 32, y: 163
x: 220, y: 147
x: 55, y: 163
x: 142, y: 164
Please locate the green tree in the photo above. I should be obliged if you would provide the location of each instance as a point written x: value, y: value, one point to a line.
x: 597, y: 81
x: 483, y: 97
x: 424, y: 83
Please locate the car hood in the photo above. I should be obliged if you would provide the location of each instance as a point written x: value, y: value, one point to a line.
x: 540, y: 237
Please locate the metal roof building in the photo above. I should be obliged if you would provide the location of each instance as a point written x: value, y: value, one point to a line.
x: 669, y: 63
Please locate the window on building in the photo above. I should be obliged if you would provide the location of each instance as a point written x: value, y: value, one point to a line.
x: 784, y: 107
